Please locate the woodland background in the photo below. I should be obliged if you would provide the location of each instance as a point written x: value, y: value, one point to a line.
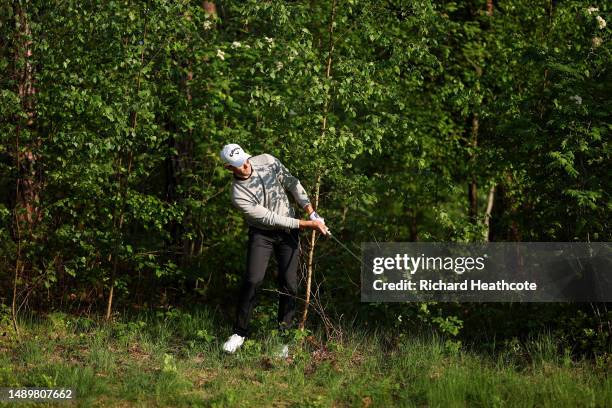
x: 458, y: 121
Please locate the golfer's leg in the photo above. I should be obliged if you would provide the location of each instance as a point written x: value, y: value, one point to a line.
x: 260, y: 248
x: 287, y: 258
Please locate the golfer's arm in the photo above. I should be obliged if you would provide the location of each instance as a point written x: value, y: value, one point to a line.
x: 298, y: 192
x: 262, y: 215
x: 293, y: 185
x: 308, y: 208
x: 306, y: 224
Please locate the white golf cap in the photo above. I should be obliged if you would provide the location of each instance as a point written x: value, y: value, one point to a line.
x: 234, y: 155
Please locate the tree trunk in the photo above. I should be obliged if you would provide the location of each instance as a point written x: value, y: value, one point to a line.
x: 488, y: 211
x: 309, y: 265
x: 309, y: 268
x: 414, y: 237
x: 472, y: 188
x: 27, y: 187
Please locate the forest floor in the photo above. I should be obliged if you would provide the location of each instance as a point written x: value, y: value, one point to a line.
x: 174, y: 359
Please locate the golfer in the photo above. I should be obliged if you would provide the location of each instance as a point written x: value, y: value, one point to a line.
x: 259, y: 191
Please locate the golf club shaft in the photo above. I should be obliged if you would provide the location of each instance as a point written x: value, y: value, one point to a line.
x: 345, y: 247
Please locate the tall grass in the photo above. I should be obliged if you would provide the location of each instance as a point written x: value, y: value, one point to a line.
x: 174, y: 359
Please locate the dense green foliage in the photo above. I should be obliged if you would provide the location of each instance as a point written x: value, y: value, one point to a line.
x: 109, y: 169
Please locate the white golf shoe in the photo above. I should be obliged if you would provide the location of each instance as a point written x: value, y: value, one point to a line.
x: 233, y: 343
x: 282, y: 351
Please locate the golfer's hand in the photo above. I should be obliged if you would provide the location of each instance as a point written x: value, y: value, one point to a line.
x: 314, y: 225
x: 318, y: 225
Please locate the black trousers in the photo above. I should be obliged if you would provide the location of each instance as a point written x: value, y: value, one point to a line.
x: 261, y: 245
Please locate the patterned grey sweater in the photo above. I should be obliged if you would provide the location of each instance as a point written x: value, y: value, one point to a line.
x: 263, y: 199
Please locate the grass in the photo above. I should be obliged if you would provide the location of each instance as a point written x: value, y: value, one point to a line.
x: 173, y: 359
